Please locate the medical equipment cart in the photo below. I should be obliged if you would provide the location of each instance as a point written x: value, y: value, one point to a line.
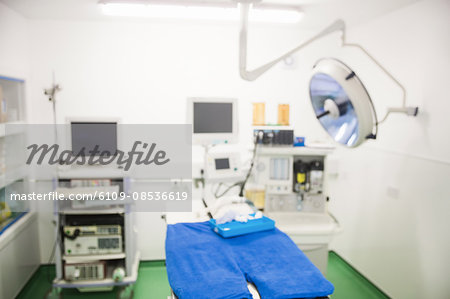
x: 96, y: 245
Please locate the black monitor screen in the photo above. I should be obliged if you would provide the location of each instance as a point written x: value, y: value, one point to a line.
x: 213, y: 117
x: 87, y: 135
x: 222, y: 163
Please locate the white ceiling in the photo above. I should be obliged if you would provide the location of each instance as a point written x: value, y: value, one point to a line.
x: 317, y: 12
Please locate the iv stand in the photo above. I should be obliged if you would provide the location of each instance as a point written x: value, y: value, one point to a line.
x: 51, y: 93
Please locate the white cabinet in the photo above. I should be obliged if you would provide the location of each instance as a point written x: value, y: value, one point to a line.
x: 19, y: 239
x: 12, y: 149
x: 19, y: 255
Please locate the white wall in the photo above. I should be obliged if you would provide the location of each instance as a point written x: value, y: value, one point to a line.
x: 392, y: 195
x: 14, y: 41
x: 144, y: 71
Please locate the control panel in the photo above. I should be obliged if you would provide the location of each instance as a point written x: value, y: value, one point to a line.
x: 274, y: 137
x: 275, y: 172
x: 95, y: 239
x: 90, y: 230
x: 222, y: 166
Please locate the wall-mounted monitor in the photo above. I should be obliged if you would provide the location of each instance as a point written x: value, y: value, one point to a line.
x: 93, y: 138
x: 214, y: 120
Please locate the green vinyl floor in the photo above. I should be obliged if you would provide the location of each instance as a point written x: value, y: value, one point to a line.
x: 152, y: 283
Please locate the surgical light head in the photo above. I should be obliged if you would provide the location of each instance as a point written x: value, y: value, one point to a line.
x: 341, y: 103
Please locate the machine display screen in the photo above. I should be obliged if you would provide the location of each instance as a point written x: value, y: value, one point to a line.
x: 222, y: 163
x: 212, y: 117
x: 88, y: 135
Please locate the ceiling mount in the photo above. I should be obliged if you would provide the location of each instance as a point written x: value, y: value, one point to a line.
x: 341, y: 103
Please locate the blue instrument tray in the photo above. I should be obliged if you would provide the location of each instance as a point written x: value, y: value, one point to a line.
x: 235, y: 228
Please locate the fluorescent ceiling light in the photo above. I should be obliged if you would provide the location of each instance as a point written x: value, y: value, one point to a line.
x: 200, y: 12
x: 275, y: 15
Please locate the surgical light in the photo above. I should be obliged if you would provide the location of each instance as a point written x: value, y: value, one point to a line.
x: 340, y: 101
x: 217, y: 11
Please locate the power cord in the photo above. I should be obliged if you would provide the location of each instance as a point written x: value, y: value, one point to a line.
x: 52, y: 255
x: 202, y: 173
x: 58, y: 240
x: 241, y: 192
x: 216, y: 195
x: 75, y: 235
x: 240, y: 184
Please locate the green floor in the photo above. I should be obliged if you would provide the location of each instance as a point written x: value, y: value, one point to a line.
x: 348, y: 283
x: 152, y: 283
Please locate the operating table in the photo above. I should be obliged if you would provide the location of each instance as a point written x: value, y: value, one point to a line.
x: 201, y: 264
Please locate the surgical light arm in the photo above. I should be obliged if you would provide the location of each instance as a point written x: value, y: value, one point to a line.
x: 252, y: 75
x: 336, y: 26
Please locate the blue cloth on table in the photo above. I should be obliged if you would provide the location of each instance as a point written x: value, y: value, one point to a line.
x: 201, y: 264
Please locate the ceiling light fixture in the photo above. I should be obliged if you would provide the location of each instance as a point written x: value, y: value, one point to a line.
x: 199, y: 10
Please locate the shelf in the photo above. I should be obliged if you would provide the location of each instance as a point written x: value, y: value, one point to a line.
x: 12, y: 79
x: 90, y: 172
x: 12, y: 130
x: 93, y: 283
x: 131, y: 279
x: 13, y: 176
x: 272, y: 127
x: 295, y: 151
x: 89, y: 258
x: 14, y: 230
x: 92, y: 211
